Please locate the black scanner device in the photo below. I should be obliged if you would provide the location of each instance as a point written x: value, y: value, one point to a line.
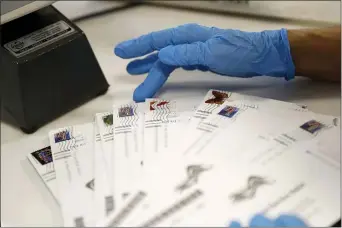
x: 47, y: 69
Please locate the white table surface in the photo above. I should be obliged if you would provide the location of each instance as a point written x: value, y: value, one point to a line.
x: 24, y: 199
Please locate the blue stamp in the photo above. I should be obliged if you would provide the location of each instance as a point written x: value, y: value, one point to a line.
x: 62, y: 136
x: 228, y: 111
x: 43, y: 156
x: 312, y: 126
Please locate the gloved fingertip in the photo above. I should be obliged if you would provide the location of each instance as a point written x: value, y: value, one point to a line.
x: 260, y: 220
x: 119, y: 52
x: 138, y: 98
x: 126, y: 49
x: 234, y: 224
x: 289, y: 220
x: 140, y: 93
x: 155, y: 79
x: 141, y: 66
x: 133, y: 69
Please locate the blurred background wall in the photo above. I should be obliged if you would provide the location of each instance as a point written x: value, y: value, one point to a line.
x: 315, y: 11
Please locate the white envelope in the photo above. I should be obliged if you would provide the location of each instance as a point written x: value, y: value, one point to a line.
x: 230, y: 142
x: 160, y: 128
x: 161, y: 186
x: 104, y: 123
x: 300, y: 159
x: 72, y: 152
x: 127, y: 147
x: 313, y: 131
x: 41, y: 160
x: 215, y: 98
x: 123, y: 214
x: 293, y: 182
x: 227, y: 115
x: 103, y: 194
x: 231, y: 149
x: 198, y: 137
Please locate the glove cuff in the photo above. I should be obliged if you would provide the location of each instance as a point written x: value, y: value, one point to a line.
x: 288, y: 57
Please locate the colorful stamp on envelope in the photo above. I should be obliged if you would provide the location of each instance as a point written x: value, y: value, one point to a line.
x: 108, y: 120
x: 219, y: 98
x: 43, y: 156
x: 228, y: 111
x: 312, y: 126
x: 126, y: 111
x: 158, y: 104
x: 62, y: 136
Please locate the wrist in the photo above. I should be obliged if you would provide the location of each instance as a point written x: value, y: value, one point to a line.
x: 316, y: 53
x: 279, y: 58
x: 290, y: 65
x: 296, y: 39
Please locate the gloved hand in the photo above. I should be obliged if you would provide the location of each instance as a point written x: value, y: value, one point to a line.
x: 281, y: 221
x: 191, y: 46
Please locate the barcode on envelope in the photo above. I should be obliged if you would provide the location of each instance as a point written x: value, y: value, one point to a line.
x: 173, y: 209
x: 133, y: 203
x: 79, y: 222
x: 109, y: 204
x: 97, y: 138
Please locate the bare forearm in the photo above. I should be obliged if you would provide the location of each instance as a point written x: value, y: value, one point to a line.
x: 316, y: 53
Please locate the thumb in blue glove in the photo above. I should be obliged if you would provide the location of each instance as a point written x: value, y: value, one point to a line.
x: 223, y: 51
x: 281, y: 221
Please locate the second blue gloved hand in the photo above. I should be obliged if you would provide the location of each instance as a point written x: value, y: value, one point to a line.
x: 281, y: 221
x: 223, y: 51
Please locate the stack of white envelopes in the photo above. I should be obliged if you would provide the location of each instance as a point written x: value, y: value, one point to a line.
x: 150, y: 164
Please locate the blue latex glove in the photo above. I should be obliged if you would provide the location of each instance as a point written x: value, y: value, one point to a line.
x: 281, y: 221
x: 191, y: 46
